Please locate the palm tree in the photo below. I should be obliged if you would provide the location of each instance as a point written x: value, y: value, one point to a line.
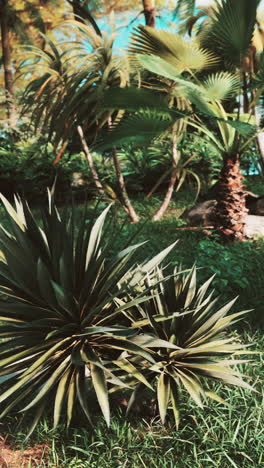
x: 149, y: 41
x: 206, y: 96
x: 23, y: 23
x: 64, y: 99
x: 226, y: 29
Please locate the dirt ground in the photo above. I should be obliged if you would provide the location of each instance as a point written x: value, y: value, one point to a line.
x: 13, y: 457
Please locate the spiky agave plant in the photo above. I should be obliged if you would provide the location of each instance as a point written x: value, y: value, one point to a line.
x: 198, y: 349
x: 60, y: 325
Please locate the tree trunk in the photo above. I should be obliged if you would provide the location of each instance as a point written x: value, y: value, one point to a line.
x: 175, y: 158
x: 246, y: 104
x: 231, y: 211
x: 259, y: 138
x: 91, y: 165
x: 123, y: 192
x: 149, y: 12
x: 8, y: 75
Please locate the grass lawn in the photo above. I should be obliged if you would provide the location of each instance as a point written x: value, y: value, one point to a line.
x: 215, y: 436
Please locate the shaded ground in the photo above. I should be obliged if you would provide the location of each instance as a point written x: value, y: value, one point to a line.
x: 11, y: 457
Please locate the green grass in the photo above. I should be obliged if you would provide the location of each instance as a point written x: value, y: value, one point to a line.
x: 216, y: 436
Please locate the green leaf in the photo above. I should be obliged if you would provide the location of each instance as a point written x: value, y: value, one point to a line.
x: 71, y: 398
x: 82, y: 393
x: 60, y: 395
x: 221, y: 85
x: 18, y: 218
x: 175, y: 402
x: 231, y: 30
x: 181, y: 54
x: 136, y: 394
x: 129, y: 368
x: 192, y: 386
x: 48, y: 384
x: 44, y: 357
x: 95, y: 236
x: 216, y: 397
x: 36, y: 418
x: 163, y: 392
x: 100, y: 387
x: 148, y: 267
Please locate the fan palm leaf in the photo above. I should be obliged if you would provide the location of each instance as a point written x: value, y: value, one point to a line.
x: 231, y: 30
x: 172, y: 48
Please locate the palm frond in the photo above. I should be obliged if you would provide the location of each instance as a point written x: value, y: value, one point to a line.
x: 153, y: 116
x: 183, y: 11
x: 231, y: 30
x: 171, y: 48
x: 222, y: 85
x: 134, y: 99
x: 139, y: 128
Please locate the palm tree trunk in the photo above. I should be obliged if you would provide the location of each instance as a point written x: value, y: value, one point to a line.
x: 260, y: 145
x: 231, y: 211
x: 91, y: 165
x: 175, y: 158
x: 259, y: 138
x: 246, y: 104
x: 123, y: 192
x: 6, y: 53
x: 149, y: 12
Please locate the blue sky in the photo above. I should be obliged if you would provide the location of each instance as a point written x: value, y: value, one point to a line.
x: 124, y: 27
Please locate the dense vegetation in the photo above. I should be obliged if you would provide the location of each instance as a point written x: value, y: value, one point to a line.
x: 110, y: 303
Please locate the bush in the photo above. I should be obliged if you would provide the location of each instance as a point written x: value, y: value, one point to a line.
x: 27, y: 168
x: 76, y: 322
x: 239, y: 271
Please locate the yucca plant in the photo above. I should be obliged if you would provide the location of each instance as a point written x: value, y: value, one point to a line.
x: 76, y: 322
x: 60, y: 326
x: 185, y: 333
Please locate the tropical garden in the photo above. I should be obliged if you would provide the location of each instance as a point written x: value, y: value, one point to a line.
x: 131, y: 240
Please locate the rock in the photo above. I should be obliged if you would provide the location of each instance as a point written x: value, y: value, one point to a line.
x: 254, y: 203
x: 254, y: 226
x: 256, y: 206
x: 202, y: 213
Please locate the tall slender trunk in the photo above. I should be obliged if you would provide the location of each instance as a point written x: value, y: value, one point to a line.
x: 91, y: 165
x: 125, y: 201
x: 246, y: 104
x: 231, y: 211
x: 175, y: 159
x: 259, y: 138
x: 149, y: 12
x: 8, y: 75
x: 123, y: 192
x: 250, y: 69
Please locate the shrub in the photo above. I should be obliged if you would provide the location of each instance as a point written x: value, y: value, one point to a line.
x: 190, y: 345
x: 74, y: 321
x: 26, y: 167
x: 239, y: 271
